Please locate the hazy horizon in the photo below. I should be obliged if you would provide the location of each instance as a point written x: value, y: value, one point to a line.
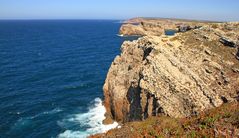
x: 84, y: 19
x: 220, y: 10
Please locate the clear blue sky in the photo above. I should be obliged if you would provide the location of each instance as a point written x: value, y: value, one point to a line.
x: 119, y: 9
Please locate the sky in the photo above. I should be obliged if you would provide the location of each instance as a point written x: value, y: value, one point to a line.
x: 217, y: 10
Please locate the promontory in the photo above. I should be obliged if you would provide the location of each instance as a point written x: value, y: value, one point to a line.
x: 192, y: 69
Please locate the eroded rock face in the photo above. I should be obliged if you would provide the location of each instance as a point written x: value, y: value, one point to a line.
x: 132, y: 30
x: 121, y: 88
x: 176, y: 76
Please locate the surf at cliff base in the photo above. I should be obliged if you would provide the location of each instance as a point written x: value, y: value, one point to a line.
x: 92, y: 121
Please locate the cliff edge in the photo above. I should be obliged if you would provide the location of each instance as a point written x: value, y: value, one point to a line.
x: 157, y: 26
x: 176, y: 76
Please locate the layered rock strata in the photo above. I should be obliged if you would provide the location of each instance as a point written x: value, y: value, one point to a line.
x: 176, y: 76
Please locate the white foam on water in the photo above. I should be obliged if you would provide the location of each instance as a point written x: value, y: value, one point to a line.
x: 92, y: 120
x: 54, y: 111
x: 28, y: 121
x: 120, y: 35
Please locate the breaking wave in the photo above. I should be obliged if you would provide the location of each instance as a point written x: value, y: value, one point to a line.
x: 90, y: 121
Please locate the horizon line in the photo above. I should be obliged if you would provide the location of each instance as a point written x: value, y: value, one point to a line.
x: 194, y: 19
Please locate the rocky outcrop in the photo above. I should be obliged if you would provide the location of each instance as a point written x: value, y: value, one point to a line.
x: 156, y: 27
x: 228, y: 42
x: 132, y: 30
x: 176, y: 76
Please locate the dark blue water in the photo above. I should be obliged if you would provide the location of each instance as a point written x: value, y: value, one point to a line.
x: 51, y: 72
x: 170, y: 32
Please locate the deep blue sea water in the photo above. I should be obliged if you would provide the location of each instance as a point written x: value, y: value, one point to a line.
x: 170, y: 32
x: 51, y: 76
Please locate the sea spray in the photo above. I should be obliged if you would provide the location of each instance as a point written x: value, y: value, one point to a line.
x: 92, y: 121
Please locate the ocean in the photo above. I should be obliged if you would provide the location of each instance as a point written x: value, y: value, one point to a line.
x: 51, y: 76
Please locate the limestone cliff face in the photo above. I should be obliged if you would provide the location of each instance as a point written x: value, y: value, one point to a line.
x: 176, y: 76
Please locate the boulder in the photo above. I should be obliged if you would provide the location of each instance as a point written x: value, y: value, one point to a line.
x: 228, y: 42
x: 184, y: 28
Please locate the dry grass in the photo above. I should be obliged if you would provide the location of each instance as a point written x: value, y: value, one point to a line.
x: 218, y: 122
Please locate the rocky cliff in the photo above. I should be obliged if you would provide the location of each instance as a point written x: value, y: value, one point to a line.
x: 176, y: 76
x: 157, y: 27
